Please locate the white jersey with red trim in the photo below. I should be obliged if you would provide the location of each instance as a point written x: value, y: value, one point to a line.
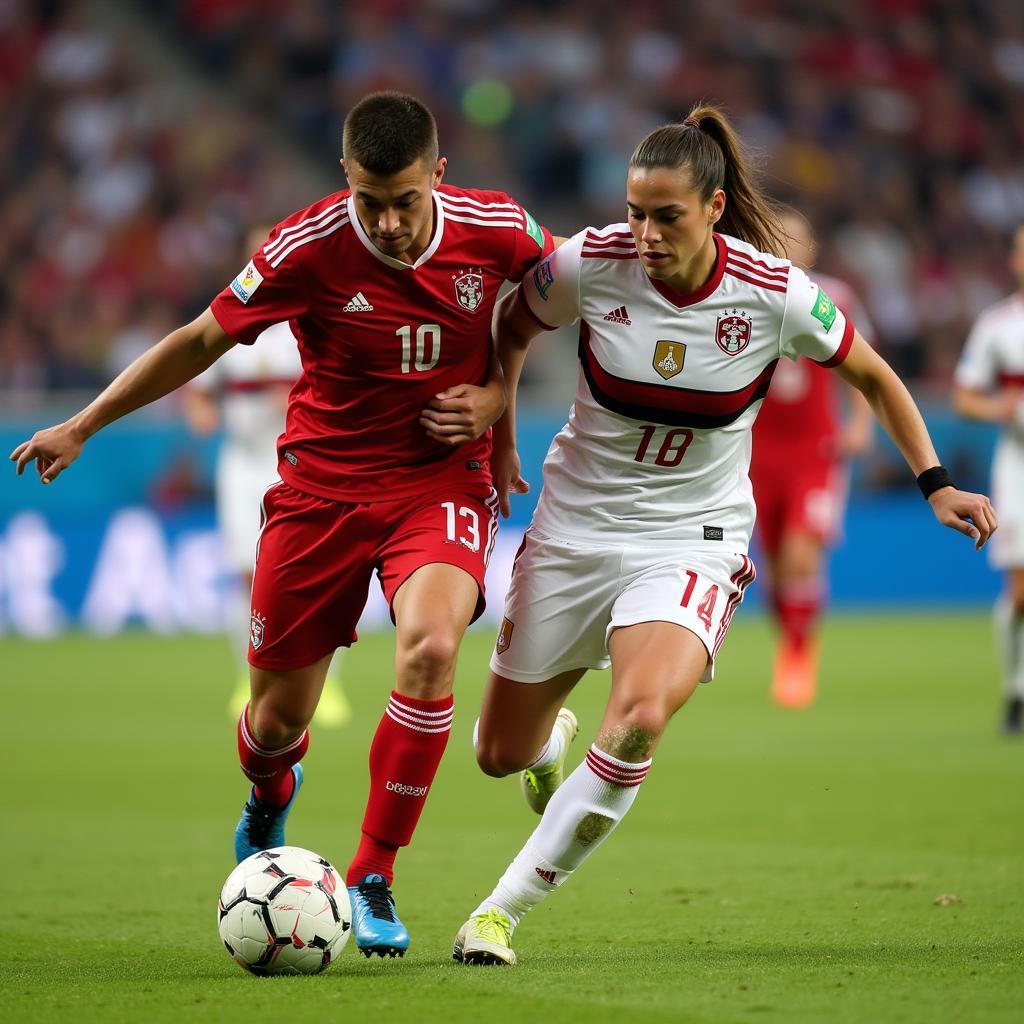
x: 657, y: 445
x: 993, y: 359
x: 248, y: 380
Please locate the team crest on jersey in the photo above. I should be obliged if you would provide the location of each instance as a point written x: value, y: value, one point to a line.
x: 504, y: 636
x: 256, y: 624
x: 469, y: 288
x: 733, y: 332
x: 668, y: 358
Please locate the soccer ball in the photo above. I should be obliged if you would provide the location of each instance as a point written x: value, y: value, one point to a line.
x: 282, y: 911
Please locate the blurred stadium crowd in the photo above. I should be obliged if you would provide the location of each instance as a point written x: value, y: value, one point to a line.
x: 896, y: 125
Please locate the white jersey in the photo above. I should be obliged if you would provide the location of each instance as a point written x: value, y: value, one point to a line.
x: 248, y: 380
x: 993, y: 359
x: 657, y: 446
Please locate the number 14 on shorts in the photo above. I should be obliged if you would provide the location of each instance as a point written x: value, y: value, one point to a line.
x: 706, y: 607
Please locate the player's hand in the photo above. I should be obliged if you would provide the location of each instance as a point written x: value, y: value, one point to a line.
x: 969, y: 514
x: 463, y: 413
x: 505, y: 472
x: 53, y: 449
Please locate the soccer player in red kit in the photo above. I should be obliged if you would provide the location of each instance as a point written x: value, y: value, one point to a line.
x: 389, y: 288
x: 798, y: 469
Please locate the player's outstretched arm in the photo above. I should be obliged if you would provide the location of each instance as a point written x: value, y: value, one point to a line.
x: 179, y: 357
x: 866, y: 370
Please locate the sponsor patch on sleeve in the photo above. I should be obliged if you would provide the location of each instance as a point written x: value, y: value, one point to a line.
x: 245, y: 285
x: 824, y: 310
x: 533, y: 229
x: 543, y: 278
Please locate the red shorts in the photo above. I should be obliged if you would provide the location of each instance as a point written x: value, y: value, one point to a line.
x: 315, y: 558
x: 805, y: 497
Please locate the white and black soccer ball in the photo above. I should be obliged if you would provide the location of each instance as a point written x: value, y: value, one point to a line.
x: 284, y: 911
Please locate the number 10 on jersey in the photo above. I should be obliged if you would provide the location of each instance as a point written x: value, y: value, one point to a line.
x: 428, y: 336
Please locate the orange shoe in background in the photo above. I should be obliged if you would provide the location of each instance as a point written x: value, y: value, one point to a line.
x: 795, y: 680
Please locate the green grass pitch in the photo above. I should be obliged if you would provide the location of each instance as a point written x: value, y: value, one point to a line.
x: 777, y: 867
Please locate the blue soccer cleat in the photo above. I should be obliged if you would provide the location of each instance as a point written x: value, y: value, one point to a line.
x: 375, y: 923
x: 261, y: 826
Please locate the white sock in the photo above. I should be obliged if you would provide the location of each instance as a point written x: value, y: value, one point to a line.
x: 581, y: 815
x: 552, y: 750
x: 1010, y: 636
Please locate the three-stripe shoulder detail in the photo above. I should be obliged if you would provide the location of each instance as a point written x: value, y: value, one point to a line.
x: 756, y: 272
x: 464, y: 210
x: 609, y: 244
x: 306, y: 230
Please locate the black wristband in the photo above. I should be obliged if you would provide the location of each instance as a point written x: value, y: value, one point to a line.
x: 934, y: 479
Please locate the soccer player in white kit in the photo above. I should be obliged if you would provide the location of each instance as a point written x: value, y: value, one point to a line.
x: 989, y: 386
x: 637, y: 554
x: 246, y: 393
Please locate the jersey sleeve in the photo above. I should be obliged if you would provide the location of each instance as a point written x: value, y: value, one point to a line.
x: 266, y: 292
x: 813, y: 325
x: 550, y: 293
x: 530, y: 243
x: 978, y: 368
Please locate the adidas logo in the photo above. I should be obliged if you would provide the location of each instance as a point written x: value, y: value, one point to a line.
x: 619, y: 316
x: 358, y: 304
x: 548, y: 876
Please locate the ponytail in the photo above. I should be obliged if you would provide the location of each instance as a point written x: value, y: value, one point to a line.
x: 706, y: 144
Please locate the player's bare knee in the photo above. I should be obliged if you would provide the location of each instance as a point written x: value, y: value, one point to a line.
x: 496, y: 762
x: 273, y: 727
x: 426, y: 664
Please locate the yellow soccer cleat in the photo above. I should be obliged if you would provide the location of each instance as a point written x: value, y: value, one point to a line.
x: 334, y: 710
x: 485, y: 940
x: 539, y: 784
x: 239, y: 697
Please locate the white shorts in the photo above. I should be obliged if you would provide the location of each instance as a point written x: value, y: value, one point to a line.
x: 565, y: 599
x: 1006, y: 549
x: 242, y: 477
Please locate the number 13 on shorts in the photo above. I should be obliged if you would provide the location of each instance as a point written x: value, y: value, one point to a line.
x: 463, y: 525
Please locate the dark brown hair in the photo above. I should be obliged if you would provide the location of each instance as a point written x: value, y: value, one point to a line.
x: 707, y: 146
x: 386, y: 132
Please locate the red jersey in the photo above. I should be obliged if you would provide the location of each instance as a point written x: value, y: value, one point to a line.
x: 379, y: 338
x: 799, y: 417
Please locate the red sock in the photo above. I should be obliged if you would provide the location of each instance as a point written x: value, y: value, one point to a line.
x: 269, y: 770
x: 798, y: 605
x: 404, y: 756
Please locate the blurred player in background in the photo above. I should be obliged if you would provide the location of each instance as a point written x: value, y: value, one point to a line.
x: 799, y: 471
x: 989, y: 386
x: 246, y: 393
x: 636, y: 557
x: 385, y: 464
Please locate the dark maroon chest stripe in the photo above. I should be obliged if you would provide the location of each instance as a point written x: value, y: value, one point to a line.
x: 661, y: 403
x: 1011, y: 380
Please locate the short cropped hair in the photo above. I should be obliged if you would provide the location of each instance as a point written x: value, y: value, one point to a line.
x: 386, y: 132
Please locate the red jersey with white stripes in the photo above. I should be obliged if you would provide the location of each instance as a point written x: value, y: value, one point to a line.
x: 379, y: 338
x: 657, y: 445
x: 799, y: 418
